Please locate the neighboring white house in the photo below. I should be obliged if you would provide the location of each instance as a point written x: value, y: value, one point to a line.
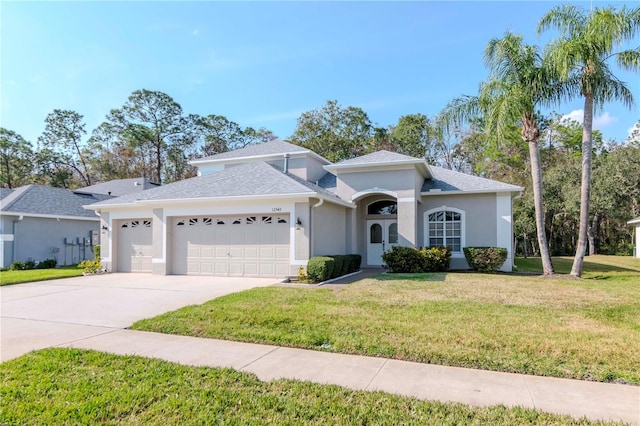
x: 41, y: 222
x: 636, y: 223
x: 265, y: 210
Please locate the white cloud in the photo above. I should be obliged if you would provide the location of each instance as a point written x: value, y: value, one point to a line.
x: 599, y: 122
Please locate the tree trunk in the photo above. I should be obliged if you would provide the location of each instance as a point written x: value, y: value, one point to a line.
x: 591, y: 234
x: 585, y: 187
x: 159, y: 160
x: 536, y: 176
x: 524, y: 246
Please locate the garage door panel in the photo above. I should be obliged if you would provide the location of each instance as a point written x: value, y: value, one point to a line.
x: 282, y: 252
x: 233, y: 246
x: 267, y: 252
x: 220, y: 252
x: 267, y: 269
x: 251, y: 252
x: 206, y: 268
x: 236, y: 269
x: 251, y: 269
x: 236, y: 252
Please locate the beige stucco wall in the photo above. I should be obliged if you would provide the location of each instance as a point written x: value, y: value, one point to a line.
x: 484, y: 225
x: 402, y: 182
x: 638, y: 240
x: 329, y: 230
x: 302, y: 238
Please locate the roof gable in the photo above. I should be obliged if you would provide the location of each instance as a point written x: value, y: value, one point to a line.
x: 379, y: 160
x: 118, y: 187
x: 377, y: 157
x: 445, y: 180
x: 275, y: 147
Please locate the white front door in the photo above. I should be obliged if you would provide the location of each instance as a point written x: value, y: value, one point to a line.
x: 381, y: 236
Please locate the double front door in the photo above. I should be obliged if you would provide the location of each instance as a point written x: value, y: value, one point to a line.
x: 381, y: 236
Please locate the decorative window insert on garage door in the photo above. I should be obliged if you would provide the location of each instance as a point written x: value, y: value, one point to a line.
x: 255, y: 245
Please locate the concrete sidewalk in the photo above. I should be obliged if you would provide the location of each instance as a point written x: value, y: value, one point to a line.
x: 596, y: 401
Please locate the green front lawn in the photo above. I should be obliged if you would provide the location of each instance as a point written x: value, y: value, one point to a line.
x: 584, y: 329
x: 19, y: 277
x: 65, y: 386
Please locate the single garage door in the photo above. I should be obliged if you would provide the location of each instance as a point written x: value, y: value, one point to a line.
x: 251, y: 245
x: 134, y: 245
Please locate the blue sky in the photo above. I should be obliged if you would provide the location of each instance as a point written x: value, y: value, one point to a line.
x: 260, y: 64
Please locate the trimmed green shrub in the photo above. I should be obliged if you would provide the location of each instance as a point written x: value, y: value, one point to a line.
x: 411, y: 260
x: 47, y: 264
x: 18, y: 265
x: 356, y: 262
x: 403, y: 259
x: 436, y: 259
x: 338, y: 263
x: 320, y: 268
x: 485, y: 259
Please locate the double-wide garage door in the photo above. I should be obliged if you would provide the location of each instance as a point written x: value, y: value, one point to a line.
x: 249, y: 245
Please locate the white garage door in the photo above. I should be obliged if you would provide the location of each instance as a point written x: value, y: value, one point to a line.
x: 134, y: 245
x: 252, y: 245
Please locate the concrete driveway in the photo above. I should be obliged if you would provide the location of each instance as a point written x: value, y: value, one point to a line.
x: 59, y: 312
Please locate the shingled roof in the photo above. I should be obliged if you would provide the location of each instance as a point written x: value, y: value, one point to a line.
x: 47, y: 201
x: 447, y: 180
x: 377, y: 157
x: 262, y: 149
x: 118, y: 187
x: 250, y: 179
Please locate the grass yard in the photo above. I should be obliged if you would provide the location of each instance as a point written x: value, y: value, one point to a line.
x: 31, y: 275
x: 65, y: 386
x: 584, y: 329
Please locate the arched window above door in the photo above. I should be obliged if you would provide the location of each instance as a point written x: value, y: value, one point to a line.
x: 383, y: 208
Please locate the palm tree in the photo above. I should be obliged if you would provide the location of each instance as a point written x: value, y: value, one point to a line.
x: 580, y: 54
x: 520, y: 81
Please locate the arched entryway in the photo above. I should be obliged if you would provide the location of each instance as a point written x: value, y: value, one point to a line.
x: 382, y: 229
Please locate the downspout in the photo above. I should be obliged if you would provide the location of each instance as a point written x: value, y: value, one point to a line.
x: 15, y: 246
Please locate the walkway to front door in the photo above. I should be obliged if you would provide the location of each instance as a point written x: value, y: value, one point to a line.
x: 382, y: 234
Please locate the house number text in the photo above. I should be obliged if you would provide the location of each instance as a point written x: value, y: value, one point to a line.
x: 276, y: 209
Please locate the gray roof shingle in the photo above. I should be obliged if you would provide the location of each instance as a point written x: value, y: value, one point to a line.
x: 379, y: 157
x: 267, y: 148
x: 45, y: 200
x: 118, y: 187
x: 5, y: 192
x: 448, y: 180
x: 250, y: 179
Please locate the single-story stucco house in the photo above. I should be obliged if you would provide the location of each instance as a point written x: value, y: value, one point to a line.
x: 266, y: 209
x: 41, y: 222
x: 636, y: 223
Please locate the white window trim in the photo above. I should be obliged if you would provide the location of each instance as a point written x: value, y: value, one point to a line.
x: 463, y: 228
